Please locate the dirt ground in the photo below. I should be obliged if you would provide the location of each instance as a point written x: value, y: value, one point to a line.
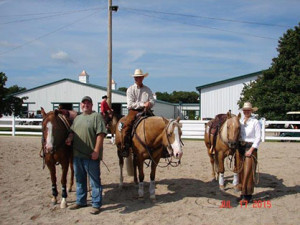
x: 185, y: 194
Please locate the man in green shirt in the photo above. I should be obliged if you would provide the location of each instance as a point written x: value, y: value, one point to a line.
x: 87, y: 133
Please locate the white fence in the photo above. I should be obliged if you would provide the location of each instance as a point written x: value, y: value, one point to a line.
x: 191, y: 129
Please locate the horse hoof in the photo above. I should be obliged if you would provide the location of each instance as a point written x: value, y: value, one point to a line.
x: 63, y: 203
x: 54, y: 201
x: 222, y: 187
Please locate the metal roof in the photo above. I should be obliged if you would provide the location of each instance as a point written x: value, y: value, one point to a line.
x: 230, y: 80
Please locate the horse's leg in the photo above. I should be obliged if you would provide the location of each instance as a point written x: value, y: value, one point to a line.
x: 51, y: 167
x: 140, y: 164
x: 64, y: 194
x: 72, y: 173
x: 121, y: 164
x: 221, y: 169
x: 135, y: 169
x: 212, y: 163
x: 152, y: 178
x: 112, y: 140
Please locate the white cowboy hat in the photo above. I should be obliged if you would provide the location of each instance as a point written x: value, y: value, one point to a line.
x: 248, y: 106
x: 139, y: 73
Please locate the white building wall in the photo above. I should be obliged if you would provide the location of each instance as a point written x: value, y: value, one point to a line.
x: 65, y: 92
x: 223, y: 97
x: 164, y: 109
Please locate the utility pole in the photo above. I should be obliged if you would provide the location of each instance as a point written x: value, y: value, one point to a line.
x: 109, y: 70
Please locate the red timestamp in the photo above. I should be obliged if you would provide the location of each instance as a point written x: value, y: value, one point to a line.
x: 258, y: 204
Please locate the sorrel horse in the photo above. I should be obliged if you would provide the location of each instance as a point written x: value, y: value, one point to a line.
x: 55, y: 128
x: 226, y: 143
x: 151, y: 136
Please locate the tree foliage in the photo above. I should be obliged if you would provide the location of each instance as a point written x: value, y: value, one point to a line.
x: 178, y: 96
x: 277, y: 91
x: 9, y: 104
x: 124, y: 89
x: 175, y: 96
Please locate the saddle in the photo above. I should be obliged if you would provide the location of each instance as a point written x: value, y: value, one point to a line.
x: 214, y: 128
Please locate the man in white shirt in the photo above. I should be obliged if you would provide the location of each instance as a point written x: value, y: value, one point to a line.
x: 139, y: 99
x: 250, y: 138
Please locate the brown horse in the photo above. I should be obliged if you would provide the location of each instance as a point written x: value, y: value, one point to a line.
x: 151, y: 136
x: 55, y: 128
x: 226, y: 143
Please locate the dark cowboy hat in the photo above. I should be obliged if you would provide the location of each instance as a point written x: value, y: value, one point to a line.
x: 87, y: 98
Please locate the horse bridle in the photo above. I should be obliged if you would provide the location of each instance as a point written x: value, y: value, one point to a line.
x: 169, y: 135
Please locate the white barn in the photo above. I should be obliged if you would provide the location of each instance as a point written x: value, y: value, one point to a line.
x: 222, y: 96
x: 69, y: 93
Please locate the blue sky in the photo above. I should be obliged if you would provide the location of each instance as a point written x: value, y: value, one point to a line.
x: 181, y: 44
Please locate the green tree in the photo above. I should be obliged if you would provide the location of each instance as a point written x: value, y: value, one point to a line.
x: 178, y: 96
x: 9, y: 104
x: 277, y: 91
x: 124, y: 89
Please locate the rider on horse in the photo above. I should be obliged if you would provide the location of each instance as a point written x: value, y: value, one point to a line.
x: 139, y: 99
x: 106, y: 111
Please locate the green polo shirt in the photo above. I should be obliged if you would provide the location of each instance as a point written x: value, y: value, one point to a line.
x: 86, y: 128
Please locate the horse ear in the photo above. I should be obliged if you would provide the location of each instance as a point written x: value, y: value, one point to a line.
x: 43, y: 112
x: 228, y: 114
x: 178, y: 119
x: 56, y: 112
x: 239, y: 116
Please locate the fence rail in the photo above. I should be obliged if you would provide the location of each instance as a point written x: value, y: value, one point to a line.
x: 191, y: 129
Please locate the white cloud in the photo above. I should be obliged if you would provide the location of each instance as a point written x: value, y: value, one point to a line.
x: 62, y: 57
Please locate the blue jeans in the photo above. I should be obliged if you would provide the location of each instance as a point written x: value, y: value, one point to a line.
x: 82, y: 168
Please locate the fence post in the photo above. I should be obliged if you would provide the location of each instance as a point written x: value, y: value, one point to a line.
x: 13, y: 133
x: 263, y: 129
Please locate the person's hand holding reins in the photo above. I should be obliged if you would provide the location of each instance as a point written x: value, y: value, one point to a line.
x: 147, y: 105
x: 249, y: 152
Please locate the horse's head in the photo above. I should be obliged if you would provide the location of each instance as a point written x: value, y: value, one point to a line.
x: 233, y: 130
x: 173, y: 137
x: 53, y: 130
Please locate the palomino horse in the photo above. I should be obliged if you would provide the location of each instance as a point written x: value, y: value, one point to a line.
x: 226, y: 143
x: 151, y: 136
x: 55, y: 129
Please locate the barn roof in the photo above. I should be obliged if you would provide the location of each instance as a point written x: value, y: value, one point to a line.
x: 230, y: 80
x: 73, y: 81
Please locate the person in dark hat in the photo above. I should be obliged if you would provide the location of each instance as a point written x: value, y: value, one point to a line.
x: 106, y: 111
x: 87, y: 133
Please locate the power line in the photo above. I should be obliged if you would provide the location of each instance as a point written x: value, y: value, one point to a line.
x: 52, y: 14
x: 204, y: 17
x: 47, y: 34
x: 203, y: 26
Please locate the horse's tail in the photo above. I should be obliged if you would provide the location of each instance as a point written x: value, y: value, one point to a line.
x: 129, y: 165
